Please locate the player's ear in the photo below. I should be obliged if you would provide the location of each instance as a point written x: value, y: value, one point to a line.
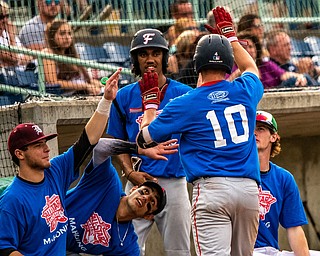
x: 19, y: 154
x: 274, y: 137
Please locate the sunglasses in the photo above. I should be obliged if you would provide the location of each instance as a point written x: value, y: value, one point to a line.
x: 4, y: 16
x: 257, y: 25
x: 49, y: 2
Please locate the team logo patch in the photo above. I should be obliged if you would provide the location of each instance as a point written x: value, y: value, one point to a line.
x: 148, y: 37
x: 218, y: 96
x: 266, y: 199
x: 96, y: 231
x: 216, y: 58
x: 37, y: 129
x: 53, y: 212
x: 135, y: 110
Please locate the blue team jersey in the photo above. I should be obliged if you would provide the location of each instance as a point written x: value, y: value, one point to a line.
x: 130, y: 103
x: 280, y: 202
x: 217, y: 125
x: 92, y: 207
x: 33, y: 219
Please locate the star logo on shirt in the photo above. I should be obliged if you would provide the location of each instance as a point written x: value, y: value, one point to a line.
x: 266, y: 199
x: 96, y: 231
x: 53, y: 212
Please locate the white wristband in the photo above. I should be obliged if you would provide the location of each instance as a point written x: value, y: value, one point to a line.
x: 233, y: 39
x: 104, y: 106
x: 154, y: 106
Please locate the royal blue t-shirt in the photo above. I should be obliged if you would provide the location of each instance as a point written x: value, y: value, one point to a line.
x: 92, y: 207
x: 130, y: 103
x: 280, y: 202
x: 217, y: 123
x: 33, y: 219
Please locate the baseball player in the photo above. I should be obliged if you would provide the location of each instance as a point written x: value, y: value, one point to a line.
x: 280, y: 201
x: 100, y: 213
x: 33, y: 219
x: 149, y: 53
x: 217, y: 146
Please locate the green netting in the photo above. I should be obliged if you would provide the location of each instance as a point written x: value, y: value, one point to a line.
x: 4, y: 183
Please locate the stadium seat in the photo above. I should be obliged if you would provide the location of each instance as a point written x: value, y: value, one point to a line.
x: 117, y: 53
x: 89, y: 52
x: 27, y: 79
x: 17, y: 77
x: 300, y: 49
x: 314, y: 44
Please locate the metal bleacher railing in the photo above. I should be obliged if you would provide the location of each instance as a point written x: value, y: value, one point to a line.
x: 41, y: 81
x: 157, y: 11
x: 134, y: 13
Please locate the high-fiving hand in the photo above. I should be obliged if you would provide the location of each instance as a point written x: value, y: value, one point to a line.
x: 224, y: 24
x: 150, y: 92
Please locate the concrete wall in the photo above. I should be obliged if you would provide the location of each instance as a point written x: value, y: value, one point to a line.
x: 297, y: 114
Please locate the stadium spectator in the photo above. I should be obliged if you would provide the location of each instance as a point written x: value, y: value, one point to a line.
x: 184, y: 51
x: 280, y: 202
x: 182, y: 13
x: 32, y: 34
x: 271, y: 75
x: 8, y: 37
x: 75, y: 6
x: 33, y: 217
x: 59, y: 37
x: 107, y: 207
x: 251, y: 23
x: 279, y: 46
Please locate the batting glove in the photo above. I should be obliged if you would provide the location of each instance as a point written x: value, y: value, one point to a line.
x: 224, y: 23
x: 211, y: 29
x: 150, y: 92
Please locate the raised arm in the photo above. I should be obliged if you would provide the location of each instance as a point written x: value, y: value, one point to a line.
x: 225, y: 27
x: 98, y: 122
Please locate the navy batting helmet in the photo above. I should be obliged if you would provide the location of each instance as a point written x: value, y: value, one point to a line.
x: 144, y: 38
x: 213, y: 52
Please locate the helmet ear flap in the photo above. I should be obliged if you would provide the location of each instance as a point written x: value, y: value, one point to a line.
x: 135, y: 64
x: 165, y: 61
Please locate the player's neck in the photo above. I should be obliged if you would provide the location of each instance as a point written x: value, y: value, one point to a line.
x: 212, y: 76
x: 30, y: 174
x: 264, y: 159
x: 162, y: 81
x: 123, y: 213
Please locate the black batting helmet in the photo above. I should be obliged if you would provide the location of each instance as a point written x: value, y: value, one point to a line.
x: 144, y: 38
x: 213, y: 52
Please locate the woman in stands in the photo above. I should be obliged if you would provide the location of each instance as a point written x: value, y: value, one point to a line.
x: 72, y: 78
